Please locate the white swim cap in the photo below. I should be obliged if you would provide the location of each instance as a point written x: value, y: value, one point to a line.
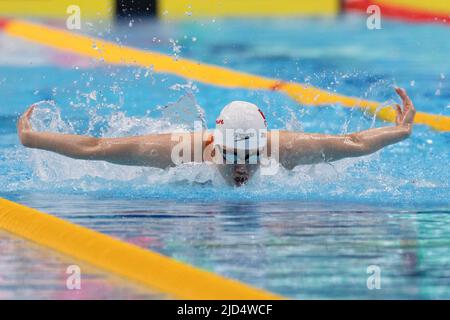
x: 241, y: 126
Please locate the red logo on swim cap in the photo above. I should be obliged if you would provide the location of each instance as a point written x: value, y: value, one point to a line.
x: 264, y: 117
x: 219, y: 121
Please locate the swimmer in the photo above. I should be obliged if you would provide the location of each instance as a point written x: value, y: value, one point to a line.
x: 238, y: 155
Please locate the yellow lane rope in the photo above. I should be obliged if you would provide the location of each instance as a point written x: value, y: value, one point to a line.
x: 116, y: 54
x: 90, y: 10
x: 143, y: 266
x: 183, y: 9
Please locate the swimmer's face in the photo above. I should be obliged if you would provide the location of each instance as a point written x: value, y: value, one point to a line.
x: 236, y: 174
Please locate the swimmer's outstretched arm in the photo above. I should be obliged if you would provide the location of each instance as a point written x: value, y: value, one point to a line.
x: 301, y: 148
x: 151, y: 150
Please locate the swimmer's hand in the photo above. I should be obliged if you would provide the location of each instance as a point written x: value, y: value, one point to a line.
x: 24, y: 127
x: 405, y: 116
x: 154, y: 150
x: 296, y: 148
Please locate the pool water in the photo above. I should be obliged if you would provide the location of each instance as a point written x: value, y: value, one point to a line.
x: 29, y: 272
x: 310, y: 233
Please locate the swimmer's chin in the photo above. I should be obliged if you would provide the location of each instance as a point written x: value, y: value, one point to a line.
x: 236, y: 182
x: 240, y: 181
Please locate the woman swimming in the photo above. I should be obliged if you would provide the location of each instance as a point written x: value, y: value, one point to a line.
x: 238, y: 147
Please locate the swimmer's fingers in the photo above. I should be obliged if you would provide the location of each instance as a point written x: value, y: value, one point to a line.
x: 24, y: 128
x: 410, y: 114
x: 409, y: 111
x: 404, y: 96
x: 29, y: 111
x: 24, y: 121
x: 399, y: 117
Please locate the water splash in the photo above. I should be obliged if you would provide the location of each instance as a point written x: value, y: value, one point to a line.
x: 186, y: 111
x: 379, y: 177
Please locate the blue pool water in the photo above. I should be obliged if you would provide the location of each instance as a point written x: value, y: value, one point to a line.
x: 30, y: 272
x: 310, y: 233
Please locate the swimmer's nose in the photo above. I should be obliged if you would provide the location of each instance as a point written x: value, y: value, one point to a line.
x: 241, y: 170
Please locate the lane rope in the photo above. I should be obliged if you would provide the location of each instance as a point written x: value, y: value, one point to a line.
x: 170, y: 9
x: 213, y: 75
x: 143, y: 266
x: 417, y: 11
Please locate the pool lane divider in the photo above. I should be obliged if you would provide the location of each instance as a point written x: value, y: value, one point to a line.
x: 151, y: 269
x: 183, y: 9
x: 113, y: 53
x: 417, y: 11
x: 59, y: 9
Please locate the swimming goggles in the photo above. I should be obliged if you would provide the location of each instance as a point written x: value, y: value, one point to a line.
x: 235, y: 157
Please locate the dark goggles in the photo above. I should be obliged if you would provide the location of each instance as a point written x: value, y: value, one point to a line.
x: 233, y: 157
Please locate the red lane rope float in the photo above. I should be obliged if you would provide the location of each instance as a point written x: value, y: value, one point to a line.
x: 3, y: 23
x: 278, y: 85
x: 398, y: 11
